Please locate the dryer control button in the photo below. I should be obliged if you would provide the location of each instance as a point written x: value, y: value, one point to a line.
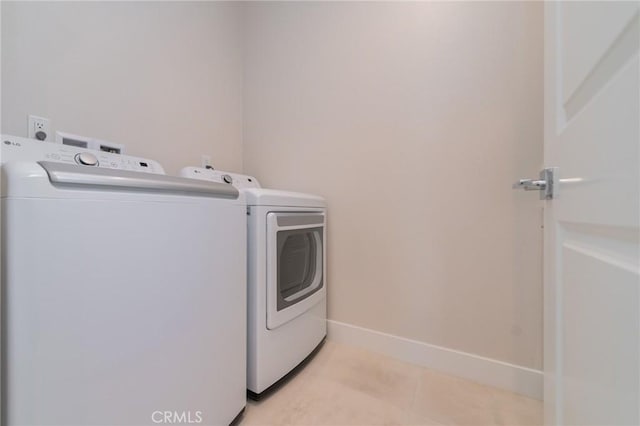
x: 227, y: 179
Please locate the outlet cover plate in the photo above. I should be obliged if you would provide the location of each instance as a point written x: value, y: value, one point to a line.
x: 39, y: 124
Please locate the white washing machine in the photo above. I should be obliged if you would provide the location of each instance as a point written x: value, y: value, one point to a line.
x: 287, y: 308
x: 123, y: 303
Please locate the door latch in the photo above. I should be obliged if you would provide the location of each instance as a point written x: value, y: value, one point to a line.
x: 544, y: 184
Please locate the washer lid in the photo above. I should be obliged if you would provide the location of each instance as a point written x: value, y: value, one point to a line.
x: 274, y: 197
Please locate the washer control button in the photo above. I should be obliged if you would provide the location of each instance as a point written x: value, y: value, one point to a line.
x: 86, y: 159
x: 227, y: 179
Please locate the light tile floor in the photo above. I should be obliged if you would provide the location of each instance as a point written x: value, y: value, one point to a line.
x: 344, y: 385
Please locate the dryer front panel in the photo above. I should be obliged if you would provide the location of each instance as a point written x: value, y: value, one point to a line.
x: 295, y: 264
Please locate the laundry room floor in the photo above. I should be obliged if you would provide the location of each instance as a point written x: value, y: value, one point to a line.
x: 343, y: 385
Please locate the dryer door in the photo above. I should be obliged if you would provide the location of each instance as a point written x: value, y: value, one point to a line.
x: 295, y: 264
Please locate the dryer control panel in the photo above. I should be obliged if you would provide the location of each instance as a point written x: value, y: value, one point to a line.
x: 237, y: 180
x: 14, y: 148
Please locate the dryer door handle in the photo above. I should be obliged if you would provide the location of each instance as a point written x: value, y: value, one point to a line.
x: 299, y: 220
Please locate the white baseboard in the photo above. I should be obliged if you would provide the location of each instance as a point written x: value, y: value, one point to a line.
x: 487, y: 371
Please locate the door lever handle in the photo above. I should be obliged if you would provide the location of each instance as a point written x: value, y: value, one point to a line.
x: 544, y: 184
x: 530, y: 185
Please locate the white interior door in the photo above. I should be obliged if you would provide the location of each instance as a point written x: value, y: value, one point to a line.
x: 592, y: 288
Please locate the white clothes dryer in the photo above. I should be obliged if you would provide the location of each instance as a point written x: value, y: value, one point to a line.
x: 286, y: 274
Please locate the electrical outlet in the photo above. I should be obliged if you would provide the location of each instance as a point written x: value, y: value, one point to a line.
x: 39, y: 128
x: 206, y: 161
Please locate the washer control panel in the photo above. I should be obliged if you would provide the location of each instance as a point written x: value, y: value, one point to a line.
x: 14, y: 148
x: 237, y: 180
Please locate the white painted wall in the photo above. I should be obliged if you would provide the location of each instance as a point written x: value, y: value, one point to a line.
x: 164, y: 78
x: 412, y: 119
